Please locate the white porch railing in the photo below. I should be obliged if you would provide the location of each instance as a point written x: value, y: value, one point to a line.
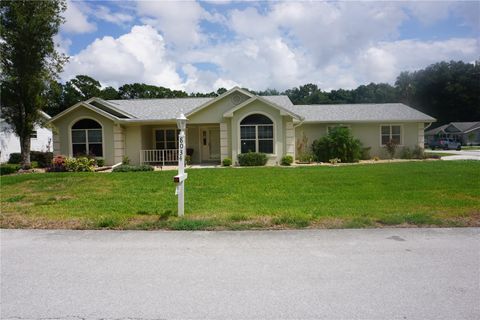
x: 159, y: 156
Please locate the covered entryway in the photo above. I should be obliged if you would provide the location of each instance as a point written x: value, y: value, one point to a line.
x: 210, y: 143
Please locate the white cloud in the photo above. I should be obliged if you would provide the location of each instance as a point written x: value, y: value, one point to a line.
x: 76, y: 21
x: 138, y: 56
x: 279, y: 45
x: 104, y: 13
x: 178, y: 21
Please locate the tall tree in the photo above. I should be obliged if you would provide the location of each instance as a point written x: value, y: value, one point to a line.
x: 29, y: 61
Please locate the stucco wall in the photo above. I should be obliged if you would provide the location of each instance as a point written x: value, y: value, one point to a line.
x: 62, y: 139
x: 278, y: 131
x: 214, y: 112
x: 367, y: 133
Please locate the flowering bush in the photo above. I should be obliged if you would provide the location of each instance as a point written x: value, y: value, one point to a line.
x: 58, y: 164
x: 82, y: 164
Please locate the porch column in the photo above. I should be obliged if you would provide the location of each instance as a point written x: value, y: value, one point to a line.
x: 118, y: 144
x: 56, y: 144
x: 223, y: 141
x: 290, y: 139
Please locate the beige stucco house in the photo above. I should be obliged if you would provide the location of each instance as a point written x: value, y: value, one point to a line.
x: 144, y: 130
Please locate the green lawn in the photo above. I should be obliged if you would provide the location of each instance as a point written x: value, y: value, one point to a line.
x: 426, y: 193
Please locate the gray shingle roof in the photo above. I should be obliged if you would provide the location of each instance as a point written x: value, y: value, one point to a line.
x: 464, y: 126
x: 437, y: 130
x: 158, y: 109
x: 166, y: 109
x: 360, y: 112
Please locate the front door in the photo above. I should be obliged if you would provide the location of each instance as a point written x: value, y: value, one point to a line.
x: 210, y: 143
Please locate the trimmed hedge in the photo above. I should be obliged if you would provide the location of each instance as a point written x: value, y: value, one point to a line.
x: 251, y: 159
x: 8, y: 168
x: 129, y: 168
x: 44, y: 159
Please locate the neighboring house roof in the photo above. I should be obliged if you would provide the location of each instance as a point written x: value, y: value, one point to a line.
x: 461, y: 127
x: 436, y: 130
x: 377, y: 112
x: 474, y: 127
x: 464, y: 126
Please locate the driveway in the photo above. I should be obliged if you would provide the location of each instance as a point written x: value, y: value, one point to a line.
x: 312, y: 274
x: 458, y: 155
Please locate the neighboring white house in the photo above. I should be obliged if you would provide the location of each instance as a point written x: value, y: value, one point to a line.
x: 41, y: 139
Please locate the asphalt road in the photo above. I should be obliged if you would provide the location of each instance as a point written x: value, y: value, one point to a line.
x: 318, y: 274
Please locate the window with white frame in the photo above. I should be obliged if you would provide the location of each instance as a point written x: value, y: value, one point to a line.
x: 391, y: 133
x: 87, y: 138
x: 256, y: 134
x: 166, y: 139
x: 33, y: 135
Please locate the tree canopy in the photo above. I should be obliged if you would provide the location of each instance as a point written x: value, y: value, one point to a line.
x: 28, y: 61
x: 447, y: 91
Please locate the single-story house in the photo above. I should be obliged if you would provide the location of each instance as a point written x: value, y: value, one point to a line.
x: 144, y: 130
x: 41, y: 139
x: 468, y: 133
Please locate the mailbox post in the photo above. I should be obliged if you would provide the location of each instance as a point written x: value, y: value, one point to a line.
x: 180, y: 178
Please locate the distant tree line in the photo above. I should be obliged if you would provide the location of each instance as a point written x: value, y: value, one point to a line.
x: 448, y: 91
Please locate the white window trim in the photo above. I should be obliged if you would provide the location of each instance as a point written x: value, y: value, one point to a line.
x: 154, y: 135
x: 274, y: 126
x: 70, y: 144
x: 401, y: 144
x: 338, y: 125
x: 34, y: 135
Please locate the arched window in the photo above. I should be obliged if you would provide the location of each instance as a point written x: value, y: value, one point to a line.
x: 87, y: 138
x: 256, y: 134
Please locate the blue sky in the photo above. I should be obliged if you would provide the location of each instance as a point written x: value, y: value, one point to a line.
x: 201, y: 46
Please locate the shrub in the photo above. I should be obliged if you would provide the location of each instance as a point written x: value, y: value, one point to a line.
x: 100, y: 162
x: 58, y: 164
x: 129, y: 168
x: 365, y: 153
x: 406, y: 153
x: 305, y: 157
x: 227, y: 162
x: 125, y: 160
x: 15, y: 158
x: 391, y: 147
x: 418, y: 152
x: 188, y: 159
x: 82, y: 164
x: 8, y: 168
x: 339, y: 143
x: 334, y: 161
x: 252, y: 159
x: 42, y: 158
x: 286, y: 160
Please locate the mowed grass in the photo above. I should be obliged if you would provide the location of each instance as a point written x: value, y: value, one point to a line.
x: 426, y: 193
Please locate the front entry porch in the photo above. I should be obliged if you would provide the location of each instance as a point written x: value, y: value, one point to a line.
x: 203, y: 144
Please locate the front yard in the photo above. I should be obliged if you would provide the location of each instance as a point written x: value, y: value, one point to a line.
x: 425, y: 193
